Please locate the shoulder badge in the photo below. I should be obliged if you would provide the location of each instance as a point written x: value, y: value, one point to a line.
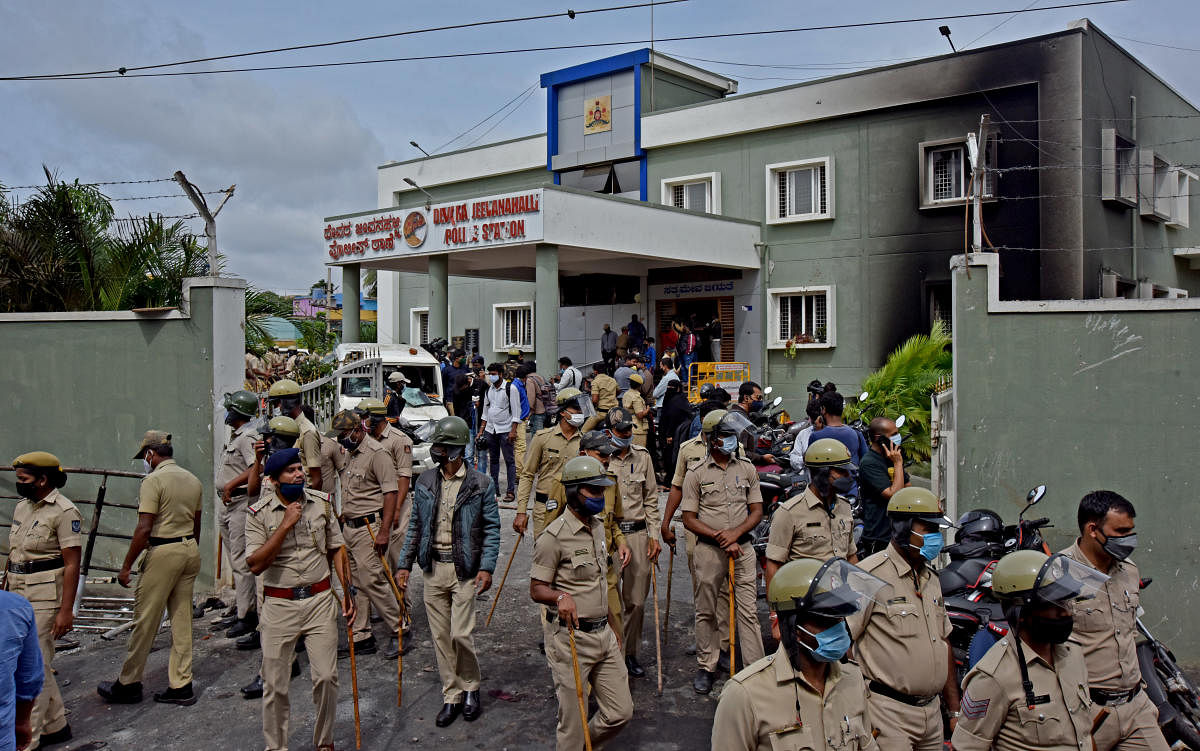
x: 317, y: 495
x: 260, y: 504
x: 76, y: 525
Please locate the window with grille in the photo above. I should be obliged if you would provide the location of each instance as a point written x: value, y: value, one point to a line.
x: 1118, y: 162
x: 694, y: 192
x: 1181, y: 199
x: 800, y: 191
x: 946, y: 171
x: 418, y: 325
x: 513, y: 327
x: 802, y: 317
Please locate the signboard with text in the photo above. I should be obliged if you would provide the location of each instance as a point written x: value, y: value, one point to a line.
x: 491, y: 221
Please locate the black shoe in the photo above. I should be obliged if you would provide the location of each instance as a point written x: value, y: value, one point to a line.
x: 448, y: 714
x: 300, y: 645
x: 393, y: 648
x: 231, y: 612
x: 249, y: 641
x: 183, y: 696
x: 723, y: 663
x: 295, y: 668
x: 254, y: 690
x: 364, y: 647
x: 690, y: 651
x: 224, y: 623
x: 242, y: 627
x: 115, y: 692
x: 704, y: 681
x: 61, y: 735
x: 635, y: 670
x: 471, y: 706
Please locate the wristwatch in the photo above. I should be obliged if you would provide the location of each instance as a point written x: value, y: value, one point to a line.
x: 955, y: 715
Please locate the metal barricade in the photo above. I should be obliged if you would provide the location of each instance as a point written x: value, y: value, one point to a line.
x: 726, y: 375
x: 323, y: 394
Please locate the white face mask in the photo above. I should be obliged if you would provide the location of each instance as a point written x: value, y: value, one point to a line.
x: 146, y: 466
x: 576, y: 419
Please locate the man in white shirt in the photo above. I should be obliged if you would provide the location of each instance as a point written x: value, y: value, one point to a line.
x: 669, y: 375
x: 501, y: 416
x: 569, y: 376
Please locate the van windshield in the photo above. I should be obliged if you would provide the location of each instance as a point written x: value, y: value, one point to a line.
x: 424, y: 378
x: 357, y: 386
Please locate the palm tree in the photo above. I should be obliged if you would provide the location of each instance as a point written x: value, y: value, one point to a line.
x: 262, y: 304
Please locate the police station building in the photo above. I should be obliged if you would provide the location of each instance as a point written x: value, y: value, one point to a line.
x: 815, y: 222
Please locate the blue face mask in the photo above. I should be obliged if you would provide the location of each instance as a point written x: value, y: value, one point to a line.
x: 728, y: 445
x: 931, y: 545
x: 842, y: 485
x: 895, y: 439
x: 592, y: 506
x: 832, y: 643
x: 756, y: 405
x: 621, y: 443
x: 291, y: 491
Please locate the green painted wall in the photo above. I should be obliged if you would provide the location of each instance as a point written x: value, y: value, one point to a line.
x: 1081, y: 401
x: 671, y: 90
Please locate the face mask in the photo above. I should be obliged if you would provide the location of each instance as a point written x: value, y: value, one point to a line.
x: 895, y: 439
x: 842, y: 485
x: 493, y: 378
x: 146, y: 466
x: 621, y: 443
x: 443, y: 455
x: 349, y: 443
x: 576, y: 419
x: 278, y: 444
x: 591, y: 505
x: 230, y: 418
x: 291, y: 491
x: 832, y: 643
x: 931, y: 545
x: 728, y: 445
x: 26, y: 490
x: 1122, y: 547
x: 756, y: 405
x: 1051, y: 630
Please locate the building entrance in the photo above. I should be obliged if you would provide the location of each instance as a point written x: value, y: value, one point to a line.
x: 709, y: 318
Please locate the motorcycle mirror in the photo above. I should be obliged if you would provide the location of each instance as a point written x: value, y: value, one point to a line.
x: 767, y: 391
x: 1034, y: 496
x: 900, y: 421
x: 863, y: 397
x: 776, y: 402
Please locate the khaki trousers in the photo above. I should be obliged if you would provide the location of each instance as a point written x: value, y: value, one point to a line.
x: 613, y: 576
x: 282, y: 623
x: 45, y: 594
x: 635, y: 585
x: 231, y: 524
x: 639, y: 439
x: 373, y: 587
x: 539, y: 517
x: 601, y: 671
x: 450, y: 608
x: 167, y: 575
x: 519, y: 445
x: 712, y: 567
x: 903, y: 727
x: 593, y: 421
x: 395, y: 543
x: 1132, y: 725
x: 689, y: 546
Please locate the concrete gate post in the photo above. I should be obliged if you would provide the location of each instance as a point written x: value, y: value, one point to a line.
x: 350, y: 296
x: 545, y: 308
x: 439, y: 296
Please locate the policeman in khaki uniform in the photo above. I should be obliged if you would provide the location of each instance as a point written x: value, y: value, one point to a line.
x: 293, y: 543
x: 284, y: 398
x: 721, y: 505
x: 901, y: 639
x: 567, y: 576
x: 639, y: 523
x: 801, y: 697
x: 548, y: 452
x: 368, y: 498
x: 43, y: 567
x: 604, y: 395
x: 633, y: 401
x: 232, y: 492
x: 1030, y: 691
x: 169, y: 508
x: 1105, y: 626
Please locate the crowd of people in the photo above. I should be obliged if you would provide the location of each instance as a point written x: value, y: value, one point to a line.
x: 275, y: 363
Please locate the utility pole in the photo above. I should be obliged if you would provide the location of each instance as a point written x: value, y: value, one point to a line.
x: 210, y: 217
x: 975, y: 151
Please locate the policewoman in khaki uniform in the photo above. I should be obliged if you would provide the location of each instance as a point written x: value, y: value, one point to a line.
x: 548, y: 452
x: 802, y: 697
x: 604, y: 395
x: 232, y: 491
x: 721, y: 505
x: 169, y: 509
x: 901, y: 640
x: 639, y: 523
x: 635, y: 403
x: 294, y: 544
x: 1105, y: 626
x: 43, y: 567
x: 398, y: 446
x: 567, y: 576
x: 1030, y: 691
x: 368, y: 497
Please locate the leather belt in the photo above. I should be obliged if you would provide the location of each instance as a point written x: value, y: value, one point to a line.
x: 540, y: 497
x: 586, y: 625
x: 156, y: 541
x: 238, y: 493
x: 443, y: 556
x: 35, y: 567
x: 628, y: 527
x: 713, y: 541
x: 359, y: 521
x: 891, y: 693
x: 297, y: 593
x: 1113, y: 698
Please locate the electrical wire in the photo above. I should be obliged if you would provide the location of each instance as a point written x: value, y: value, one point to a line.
x: 989, y: 31
x: 496, y: 124
x: 489, y: 117
x: 1158, y: 44
x: 551, y: 48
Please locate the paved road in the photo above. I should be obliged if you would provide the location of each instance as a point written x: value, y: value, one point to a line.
x: 509, y: 655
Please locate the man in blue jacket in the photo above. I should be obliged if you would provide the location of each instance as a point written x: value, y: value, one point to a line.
x: 454, y: 536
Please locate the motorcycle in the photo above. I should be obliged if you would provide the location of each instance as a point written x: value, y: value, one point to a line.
x: 1173, y: 693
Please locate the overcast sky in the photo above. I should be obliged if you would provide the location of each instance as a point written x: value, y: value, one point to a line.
x: 302, y: 145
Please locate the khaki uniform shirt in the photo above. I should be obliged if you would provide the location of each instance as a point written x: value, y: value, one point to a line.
x: 548, y: 452
x: 571, y: 557
x: 1105, y: 627
x: 303, y: 556
x: 368, y: 474
x: 237, y: 456
x: 604, y: 388
x: 41, y: 530
x: 333, y: 459
x: 173, y: 495
x: 900, y: 636
x: 444, y: 539
x: 399, y: 447
x: 802, y: 528
x: 309, y: 443
x: 691, y: 453
x: 769, y: 706
x: 610, y: 518
x: 632, y: 400
x: 994, y: 712
x: 639, y: 489
x: 721, y: 497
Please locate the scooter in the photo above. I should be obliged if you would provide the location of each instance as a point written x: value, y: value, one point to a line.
x: 1175, y: 695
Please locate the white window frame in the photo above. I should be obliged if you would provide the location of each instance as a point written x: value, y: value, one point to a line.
x: 1155, y: 186
x: 1181, y: 199
x: 774, y: 172
x: 924, y: 170
x: 774, y: 295
x: 498, y: 343
x: 714, y: 190
x: 414, y: 324
x: 1119, y: 168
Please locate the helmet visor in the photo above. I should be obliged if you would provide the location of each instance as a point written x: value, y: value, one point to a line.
x: 736, y: 423
x: 583, y: 403
x: 1064, y: 579
x: 841, y: 589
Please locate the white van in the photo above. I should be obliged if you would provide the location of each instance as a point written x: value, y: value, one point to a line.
x: 424, y: 396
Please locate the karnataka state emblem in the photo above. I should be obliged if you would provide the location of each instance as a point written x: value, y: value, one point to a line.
x: 415, y: 229
x: 597, y: 115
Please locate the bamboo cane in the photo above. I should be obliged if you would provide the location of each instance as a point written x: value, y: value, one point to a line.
x: 732, y: 623
x: 353, y: 672
x: 387, y: 572
x: 667, y: 615
x: 504, y: 578
x: 657, y: 626
x: 587, y: 736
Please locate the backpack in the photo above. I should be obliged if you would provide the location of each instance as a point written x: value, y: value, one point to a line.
x: 548, y: 396
x: 524, y: 398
